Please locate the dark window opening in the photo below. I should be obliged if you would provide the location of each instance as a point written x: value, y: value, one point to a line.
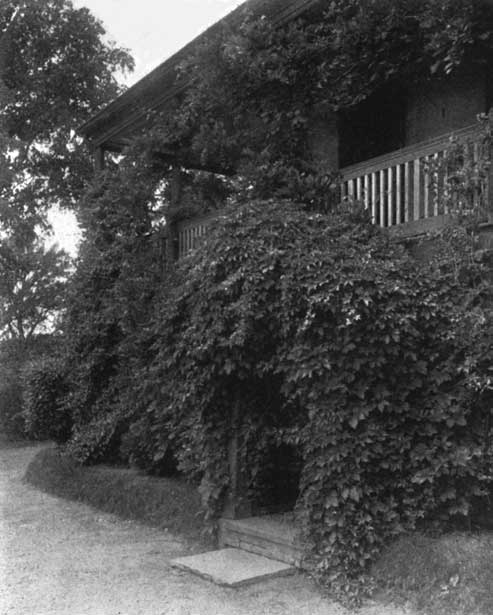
x: 374, y: 127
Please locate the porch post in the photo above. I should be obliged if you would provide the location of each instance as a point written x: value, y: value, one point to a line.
x: 99, y: 161
x: 236, y: 505
x: 175, y: 197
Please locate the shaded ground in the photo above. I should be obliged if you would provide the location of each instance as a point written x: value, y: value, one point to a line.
x: 59, y: 557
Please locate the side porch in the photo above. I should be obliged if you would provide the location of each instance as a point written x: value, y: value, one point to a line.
x: 411, y: 191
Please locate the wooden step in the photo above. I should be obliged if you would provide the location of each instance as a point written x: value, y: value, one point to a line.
x: 273, y: 536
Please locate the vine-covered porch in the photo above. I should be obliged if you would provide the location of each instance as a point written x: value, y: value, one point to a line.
x: 414, y: 189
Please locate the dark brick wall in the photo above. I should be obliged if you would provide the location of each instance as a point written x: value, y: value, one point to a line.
x: 323, y: 141
x: 442, y: 106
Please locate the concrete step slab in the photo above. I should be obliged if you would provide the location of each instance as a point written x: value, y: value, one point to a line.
x: 232, y: 567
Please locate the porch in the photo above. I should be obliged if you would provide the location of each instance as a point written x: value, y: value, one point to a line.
x: 411, y: 190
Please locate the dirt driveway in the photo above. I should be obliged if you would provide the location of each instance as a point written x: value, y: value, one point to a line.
x: 59, y: 557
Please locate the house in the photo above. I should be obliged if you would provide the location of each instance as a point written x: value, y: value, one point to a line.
x: 382, y: 148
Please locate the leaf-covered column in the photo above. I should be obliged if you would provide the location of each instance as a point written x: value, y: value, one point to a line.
x: 237, y: 505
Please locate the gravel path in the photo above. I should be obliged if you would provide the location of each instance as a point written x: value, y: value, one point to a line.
x: 59, y: 557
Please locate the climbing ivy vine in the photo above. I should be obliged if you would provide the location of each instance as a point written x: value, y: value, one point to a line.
x: 321, y: 331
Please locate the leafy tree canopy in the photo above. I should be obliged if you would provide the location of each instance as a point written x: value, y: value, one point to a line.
x: 56, y: 70
x: 32, y: 281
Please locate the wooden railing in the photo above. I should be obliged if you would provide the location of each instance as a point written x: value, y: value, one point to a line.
x: 190, y: 232
x: 399, y: 187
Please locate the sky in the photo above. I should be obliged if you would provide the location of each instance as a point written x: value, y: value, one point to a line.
x: 154, y: 29
x: 151, y: 30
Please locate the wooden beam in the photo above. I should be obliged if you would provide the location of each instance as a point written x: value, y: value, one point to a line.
x: 99, y: 159
x: 236, y: 505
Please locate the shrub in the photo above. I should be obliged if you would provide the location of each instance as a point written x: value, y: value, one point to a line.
x: 166, y: 503
x: 107, y: 305
x: 45, y: 385
x: 137, y: 448
x: 306, y: 330
x: 11, y: 419
x: 320, y: 331
x: 98, y: 440
x: 14, y: 354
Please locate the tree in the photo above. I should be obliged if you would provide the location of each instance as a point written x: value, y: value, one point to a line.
x: 4, y: 99
x: 58, y: 70
x: 55, y: 71
x: 32, y: 281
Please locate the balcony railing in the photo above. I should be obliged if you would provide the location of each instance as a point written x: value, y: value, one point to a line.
x: 400, y: 188
x: 190, y: 232
x: 404, y: 186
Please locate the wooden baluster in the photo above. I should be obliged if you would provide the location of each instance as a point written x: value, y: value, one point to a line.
x: 350, y: 189
x: 417, y: 188
x: 382, y: 198
x: 407, y: 192
x: 426, y: 187
x: 390, y: 196
x: 358, y: 188
x: 374, y: 198
x: 398, y: 194
x: 367, y: 191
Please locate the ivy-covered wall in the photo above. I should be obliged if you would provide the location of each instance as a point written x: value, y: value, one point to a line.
x: 319, y: 329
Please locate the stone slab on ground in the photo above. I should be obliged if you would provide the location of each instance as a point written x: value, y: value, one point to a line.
x: 233, y: 567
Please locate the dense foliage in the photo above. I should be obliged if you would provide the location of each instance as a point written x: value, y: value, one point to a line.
x: 44, y: 385
x: 14, y: 355
x: 317, y: 331
x: 109, y: 299
x: 325, y: 335
x: 295, y: 322
x: 11, y: 420
x: 57, y: 70
x: 32, y: 281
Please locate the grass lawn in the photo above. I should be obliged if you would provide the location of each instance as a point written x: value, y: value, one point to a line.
x: 448, y: 575
x: 8, y: 442
x: 166, y: 503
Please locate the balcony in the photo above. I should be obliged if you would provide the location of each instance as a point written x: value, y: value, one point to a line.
x: 413, y: 189
x: 416, y: 187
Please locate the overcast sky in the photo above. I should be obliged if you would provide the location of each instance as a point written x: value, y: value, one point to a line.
x: 152, y: 30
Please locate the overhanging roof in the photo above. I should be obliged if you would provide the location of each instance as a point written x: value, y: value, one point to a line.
x: 114, y: 126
